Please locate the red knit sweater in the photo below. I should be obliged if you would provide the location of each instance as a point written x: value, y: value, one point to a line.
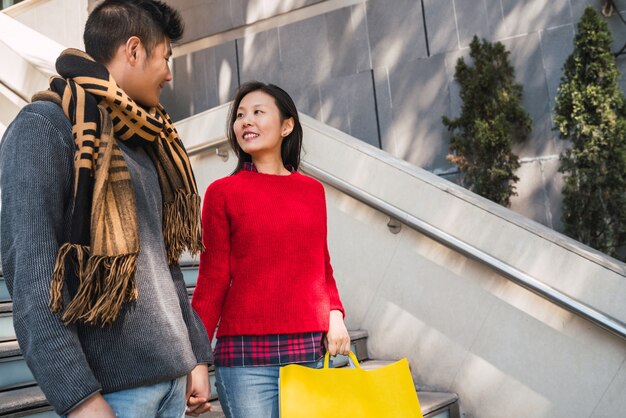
x: 266, y: 268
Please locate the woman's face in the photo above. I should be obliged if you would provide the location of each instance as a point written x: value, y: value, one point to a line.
x: 258, y: 128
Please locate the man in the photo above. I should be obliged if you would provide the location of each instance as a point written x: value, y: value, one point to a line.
x: 98, y: 203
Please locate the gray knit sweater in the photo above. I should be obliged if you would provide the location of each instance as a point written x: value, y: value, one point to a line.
x: 158, y: 338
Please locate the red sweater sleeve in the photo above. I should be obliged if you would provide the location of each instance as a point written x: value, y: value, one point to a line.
x: 214, y: 271
x: 333, y: 293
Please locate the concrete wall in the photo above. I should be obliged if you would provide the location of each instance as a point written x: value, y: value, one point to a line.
x: 382, y: 70
x: 464, y: 328
x: 60, y: 20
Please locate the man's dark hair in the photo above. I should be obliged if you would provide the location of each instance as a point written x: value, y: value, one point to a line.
x: 112, y: 22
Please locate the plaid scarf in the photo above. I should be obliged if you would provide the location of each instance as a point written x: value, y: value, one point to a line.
x: 104, y: 242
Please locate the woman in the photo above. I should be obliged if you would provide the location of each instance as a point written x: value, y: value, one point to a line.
x: 266, y: 273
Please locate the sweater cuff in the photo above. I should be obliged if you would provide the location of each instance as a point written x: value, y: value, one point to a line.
x: 79, y: 403
x: 335, y: 304
x: 65, y: 399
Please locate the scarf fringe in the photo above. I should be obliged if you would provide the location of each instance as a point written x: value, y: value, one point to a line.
x: 105, y: 284
x: 181, y: 226
x: 58, y: 276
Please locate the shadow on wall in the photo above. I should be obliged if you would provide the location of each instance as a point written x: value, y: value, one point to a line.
x: 445, y: 324
x: 201, y: 81
x: 418, y: 90
x: 539, y: 192
x: 317, y: 60
x: 468, y: 330
x: 255, y: 10
x: 323, y: 62
x: 525, y: 17
x: 366, y: 69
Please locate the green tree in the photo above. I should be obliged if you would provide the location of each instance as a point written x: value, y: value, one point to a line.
x: 491, y: 119
x: 590, y: 113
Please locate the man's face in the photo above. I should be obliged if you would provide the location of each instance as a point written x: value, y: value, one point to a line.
x: 151, y: 74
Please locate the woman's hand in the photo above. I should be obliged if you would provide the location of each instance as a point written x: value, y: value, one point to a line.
x: 337, y: 339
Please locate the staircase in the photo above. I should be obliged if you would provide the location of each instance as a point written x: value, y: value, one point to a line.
x: 21, y: 397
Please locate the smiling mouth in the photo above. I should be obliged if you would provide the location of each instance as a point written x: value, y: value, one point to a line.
x: 249, y: 136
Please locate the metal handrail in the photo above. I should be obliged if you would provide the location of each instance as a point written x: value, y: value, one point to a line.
x: 205, y: 146
x: 518, y: 277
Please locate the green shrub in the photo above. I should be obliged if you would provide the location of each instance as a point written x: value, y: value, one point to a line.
x: 590, y: 113
x: 492, y: 117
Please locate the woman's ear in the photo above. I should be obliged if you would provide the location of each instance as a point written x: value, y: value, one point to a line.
x: 287, y: 127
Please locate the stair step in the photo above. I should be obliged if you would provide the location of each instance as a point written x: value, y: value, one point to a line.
x: 7, y: 332
x: 23, y: 402
x: 4, y: 292
x: 14, y: 372
x: 374, y: 364
x: 190, y: 274
x: 9, y: 349
x: 439, y: 404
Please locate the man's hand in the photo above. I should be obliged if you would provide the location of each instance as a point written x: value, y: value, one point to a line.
x: 198, y: 391
x: 94, y: 407
x: 337, y: 338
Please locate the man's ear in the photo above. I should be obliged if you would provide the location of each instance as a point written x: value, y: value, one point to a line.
x: 287, y: 127
x: 132, y: 49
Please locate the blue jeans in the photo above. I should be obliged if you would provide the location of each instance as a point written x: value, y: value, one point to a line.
x: 161, y: 400
x: 250, y: 392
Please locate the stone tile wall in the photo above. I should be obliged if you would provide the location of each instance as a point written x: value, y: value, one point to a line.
x: 383, y: 71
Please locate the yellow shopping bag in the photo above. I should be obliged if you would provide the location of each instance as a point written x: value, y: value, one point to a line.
x: 387, y: 392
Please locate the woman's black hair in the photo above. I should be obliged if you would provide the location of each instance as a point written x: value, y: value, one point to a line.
x: 292, y: 143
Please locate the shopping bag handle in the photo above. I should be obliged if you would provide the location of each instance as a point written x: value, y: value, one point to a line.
x: 352, y: 356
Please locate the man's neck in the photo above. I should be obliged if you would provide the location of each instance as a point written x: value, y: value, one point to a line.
x: 117, y: 72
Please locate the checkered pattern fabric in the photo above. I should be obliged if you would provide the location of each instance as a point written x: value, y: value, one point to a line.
x: 268, y: 350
